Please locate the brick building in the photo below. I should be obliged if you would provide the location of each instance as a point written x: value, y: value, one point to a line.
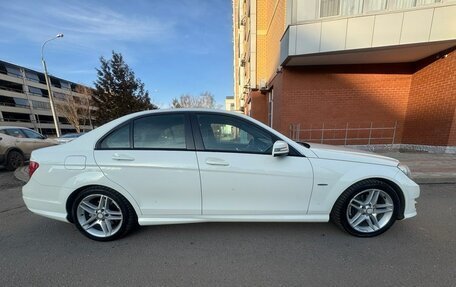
x: 349, y: 71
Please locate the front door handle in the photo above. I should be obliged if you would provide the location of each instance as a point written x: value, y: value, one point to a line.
x: 122, y: 157
x: 216, y: 161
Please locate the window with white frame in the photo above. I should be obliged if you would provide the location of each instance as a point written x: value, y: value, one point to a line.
x: 330, y: 8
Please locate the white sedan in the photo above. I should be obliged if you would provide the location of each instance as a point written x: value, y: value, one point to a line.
x: 192, y: 165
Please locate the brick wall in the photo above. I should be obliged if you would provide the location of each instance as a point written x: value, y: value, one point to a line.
x: 260, y: 104
x: 432, y: 102
x: 335, y: 96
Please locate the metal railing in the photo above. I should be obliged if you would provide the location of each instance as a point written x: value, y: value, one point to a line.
x: 350, y: 134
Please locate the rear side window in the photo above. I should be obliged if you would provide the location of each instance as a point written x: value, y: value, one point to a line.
x: 160, y: 132
x: 119, y: 139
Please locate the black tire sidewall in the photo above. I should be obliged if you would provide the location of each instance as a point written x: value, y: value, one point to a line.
x: 8, y: 160
x: 113, y: 195
x: 353, y: 192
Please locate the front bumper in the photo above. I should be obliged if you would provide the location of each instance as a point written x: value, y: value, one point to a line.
x: 411, y: 192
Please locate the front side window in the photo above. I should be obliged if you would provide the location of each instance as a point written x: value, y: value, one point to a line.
x: 225, y: 133
x: 160, y: 132
x: 119, y: 139
x: 32, y: 135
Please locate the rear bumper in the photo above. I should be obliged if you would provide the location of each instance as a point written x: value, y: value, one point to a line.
x: 44, y: 200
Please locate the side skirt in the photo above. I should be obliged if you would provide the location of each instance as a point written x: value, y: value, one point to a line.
x: 232, y: 218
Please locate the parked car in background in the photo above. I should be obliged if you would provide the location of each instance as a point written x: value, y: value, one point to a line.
x: 17, y: 143
x: 68, y: 137
x: 196, y: 165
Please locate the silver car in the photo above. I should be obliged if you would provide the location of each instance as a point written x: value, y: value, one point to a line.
x: 17, y: 143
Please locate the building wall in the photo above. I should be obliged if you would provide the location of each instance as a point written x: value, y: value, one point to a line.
x: 260, y: 110
x: 337, y: 95
x: 271, y: 26
x: 432, y: 103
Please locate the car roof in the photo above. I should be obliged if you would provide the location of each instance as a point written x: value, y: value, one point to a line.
x: 12, y: 127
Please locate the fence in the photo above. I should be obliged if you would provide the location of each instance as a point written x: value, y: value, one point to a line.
x: 348, y: 134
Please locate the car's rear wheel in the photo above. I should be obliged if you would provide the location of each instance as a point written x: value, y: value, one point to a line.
x: 103, y: 214
x: 14, y: 159
x: 367, y: 208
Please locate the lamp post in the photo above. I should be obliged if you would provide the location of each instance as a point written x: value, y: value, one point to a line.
x: 48, y: 84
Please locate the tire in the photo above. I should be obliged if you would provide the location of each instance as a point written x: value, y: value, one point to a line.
x: 103, y: 214
x: 14, y: 160
x: 367, y: 208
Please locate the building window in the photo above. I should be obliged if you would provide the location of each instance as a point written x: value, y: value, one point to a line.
x: 32, y: 76
x: 65, y: 85
x: 374, y: 5
x: 14, y: 71
x: 41, y: 105
x: 406, y: 4
x: 352, y: 7
x: 329, y: 8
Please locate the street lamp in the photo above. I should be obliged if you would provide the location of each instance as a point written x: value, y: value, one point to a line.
x: 48, y: 83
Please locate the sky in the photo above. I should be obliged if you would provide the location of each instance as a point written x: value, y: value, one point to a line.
x: 175, y: 46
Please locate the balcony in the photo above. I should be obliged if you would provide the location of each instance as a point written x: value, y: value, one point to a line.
x: 383, y: 37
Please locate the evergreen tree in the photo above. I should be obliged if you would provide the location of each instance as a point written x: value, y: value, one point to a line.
x: 117, y: 91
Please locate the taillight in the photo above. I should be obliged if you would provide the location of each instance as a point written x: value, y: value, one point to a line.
x: 33, y: 166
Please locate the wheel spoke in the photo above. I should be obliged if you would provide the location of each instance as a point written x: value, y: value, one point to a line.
x: 374, y: 220
x: 357, y: 219
x: 383, y: 210
x: 358, y: 207
x: 369, y: 197
x: 103, y: 202
x: 105, y: 228
x: 357, y: 201
x: 94, y: 222
x: 375, y: 196
x: 108, y: 226
x: 88, y: 207
x: 114, y: 217
x: 371, y: 225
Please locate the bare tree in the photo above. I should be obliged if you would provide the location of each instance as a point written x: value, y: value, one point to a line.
x: 204, y: 100
x: 76, y: 109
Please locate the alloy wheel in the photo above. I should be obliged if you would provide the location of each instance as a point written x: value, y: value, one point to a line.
x: 99, y: 215
x: 370, y: 210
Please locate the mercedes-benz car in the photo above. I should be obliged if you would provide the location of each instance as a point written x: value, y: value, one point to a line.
x: 196, y: 165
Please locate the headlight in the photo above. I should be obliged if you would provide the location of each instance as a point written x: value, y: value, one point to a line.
x: 405, y: 169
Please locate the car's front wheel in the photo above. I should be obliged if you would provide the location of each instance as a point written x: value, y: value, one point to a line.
x: 367, y: 208
x: 103, y: 214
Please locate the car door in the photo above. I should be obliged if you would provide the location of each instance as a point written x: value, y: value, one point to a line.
x: 35, y: 139
x: 239, y: 175
x: 153, y: 158
x: 21, y: 141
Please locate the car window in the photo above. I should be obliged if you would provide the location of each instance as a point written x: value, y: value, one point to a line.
x: 119, y: 139
x: 225, y: 133
x: 160, y: 131
x: 15, y: 133
x: 31, y: 134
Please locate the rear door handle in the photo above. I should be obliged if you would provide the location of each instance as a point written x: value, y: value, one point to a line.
x: 216, y: 161
x: 122, y: 157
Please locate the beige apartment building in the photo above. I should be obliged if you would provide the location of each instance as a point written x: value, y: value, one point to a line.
x: 315, y: 68
x: 24, y: 99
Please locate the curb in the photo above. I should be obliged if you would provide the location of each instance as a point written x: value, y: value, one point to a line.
x: 435, y: 180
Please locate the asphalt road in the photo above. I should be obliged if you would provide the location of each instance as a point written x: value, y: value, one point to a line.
x: 35, y: 251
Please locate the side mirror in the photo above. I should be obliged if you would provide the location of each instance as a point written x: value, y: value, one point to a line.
x: 280, y: 148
